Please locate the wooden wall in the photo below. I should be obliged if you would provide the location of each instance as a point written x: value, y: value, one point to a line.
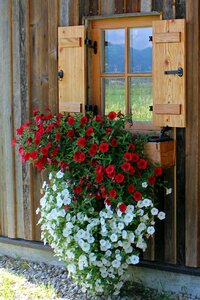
x: 28, y: 68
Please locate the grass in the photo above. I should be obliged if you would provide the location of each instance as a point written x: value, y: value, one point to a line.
x: 140, y: 97
x: 17, y: 287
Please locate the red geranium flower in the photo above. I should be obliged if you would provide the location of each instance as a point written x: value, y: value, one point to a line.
x: 110, y: 169
x: 152, y: 179
x: 104, y: 147
x: 83, y: 120
x: 108, y: 202
x: 71, y: 121
x: 131, y: 188
x: 78, y: 189
x: 158, y: 171
x: 99, y: 118
x: 81, y: 142
x: 114, y: 142
x: 49, y: 127
x: 142, y: 164
x: 119, y: 178
x: 112, y: 115
x: 122, y: 207
x: 89, y: 131
x: 14, y: 141
x: 34, y: 154
x: 99, y: 178
x: 108, y: 130
x: 70, y: 133
x: 58, y: 136
x: 55, y: 152
x: 131, y: 147
x: 135, y: 157
x: 99, y: 169
x: 112, y: 193
x: 128, y: 156
x: 44, y: 151
x: 94, y: 147
x: 103, y: 194
x: 20, y: 130
x: 137, y: 196
x: 66, y: 207
x: 126, y: 166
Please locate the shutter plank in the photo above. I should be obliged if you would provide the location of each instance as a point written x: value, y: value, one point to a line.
x: 71, y: 59
x: 169, y: 91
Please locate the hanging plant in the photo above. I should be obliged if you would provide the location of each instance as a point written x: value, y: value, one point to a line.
x: 98, y: 207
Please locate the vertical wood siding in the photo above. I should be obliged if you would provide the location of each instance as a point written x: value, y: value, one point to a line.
x: 28, y: 66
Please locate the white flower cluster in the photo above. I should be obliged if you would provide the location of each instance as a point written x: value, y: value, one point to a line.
x: 97, y: 247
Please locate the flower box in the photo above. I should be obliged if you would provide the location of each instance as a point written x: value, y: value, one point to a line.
x: 163, y: 153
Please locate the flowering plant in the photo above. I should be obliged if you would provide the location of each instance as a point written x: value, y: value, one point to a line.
x: 98, y: 206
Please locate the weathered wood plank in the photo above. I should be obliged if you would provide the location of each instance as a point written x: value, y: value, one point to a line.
x: 132, y: 6
x: 192, y: 189
x: 7, y: 198
x: 94, y: 6
x: 107, y: 7
x: 119, y: 6
x: 146, y: 6
x: 157, y: 5
x: 168, y: 9
x: 21, y: 111
x: 39, y: 92
x: 180, y: 9
x: 53, y: 18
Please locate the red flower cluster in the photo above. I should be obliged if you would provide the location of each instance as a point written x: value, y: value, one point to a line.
x: 102, y: 162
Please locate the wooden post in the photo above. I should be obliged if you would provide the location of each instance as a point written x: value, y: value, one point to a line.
x: 7, y: 199
x: 21, y: 113
x: 192, y: 135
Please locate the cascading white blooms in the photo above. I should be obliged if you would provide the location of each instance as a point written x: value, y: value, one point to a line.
x: 99, y: 246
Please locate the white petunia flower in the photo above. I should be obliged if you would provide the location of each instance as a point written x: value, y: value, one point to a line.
x: 161, y: 215
x: 113, y: 237
x: 154, y: 211
x: 134, y: 259
x: 54, y: 187
x: 168, y: 191
x: 59, y: 174
x: 150, y: 230
x: 124, y: 234
x: 145, y: 184
x: 108, y: 253
x: 44, y: 184
x: 71, y: 268
x: 120, y: 226
x: 116, y: 263
x: 50, y: 176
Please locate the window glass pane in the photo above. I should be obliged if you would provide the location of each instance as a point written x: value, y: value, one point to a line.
x: 113, y: 90
x: 114, y: 51
x: 140, y: 58
x: 140, y: 99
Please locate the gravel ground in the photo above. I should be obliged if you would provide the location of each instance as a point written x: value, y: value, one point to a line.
x: 66, y: 289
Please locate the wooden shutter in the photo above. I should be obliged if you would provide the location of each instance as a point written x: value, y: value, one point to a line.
x: 169, y: 90
x: 71, y: 60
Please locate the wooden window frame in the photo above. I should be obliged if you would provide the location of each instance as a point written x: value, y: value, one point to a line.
x: 95, y: 28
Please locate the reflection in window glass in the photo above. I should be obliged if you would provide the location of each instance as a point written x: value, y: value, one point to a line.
x: 114, y: 51
x: 140, y: 99
x: 140, y: 60
x: 114, y: 94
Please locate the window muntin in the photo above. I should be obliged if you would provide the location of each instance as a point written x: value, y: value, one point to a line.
x: 99, y: 95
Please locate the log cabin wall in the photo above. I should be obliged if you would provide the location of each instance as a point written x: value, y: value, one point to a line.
x: 28, y: 68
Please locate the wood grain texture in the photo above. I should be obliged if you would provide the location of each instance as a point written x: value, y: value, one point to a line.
x: 7, y: 199
x: 119, y: 6
x: 53, y: 19
x: 20, y: 71
x: 168, y: 37
x: 169, y: 89
x: 39, y: 84
x: 192, y: 190
x: 107, y: 7
x: 72, y: 61
x: 146, y: 6
x: 132, y: 6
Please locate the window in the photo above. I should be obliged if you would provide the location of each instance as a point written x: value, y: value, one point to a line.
x: 122, y: 67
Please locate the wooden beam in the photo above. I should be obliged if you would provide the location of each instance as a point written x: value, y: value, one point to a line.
x: 7, y: 199
x: 192, y: 135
